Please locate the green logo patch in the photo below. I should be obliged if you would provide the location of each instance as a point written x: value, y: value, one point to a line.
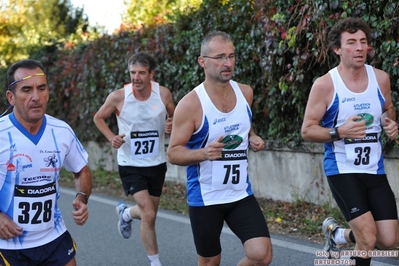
x: 231, y: 142
x: 366, y: 117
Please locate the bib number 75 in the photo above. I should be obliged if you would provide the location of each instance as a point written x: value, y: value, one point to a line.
x: 232, y: 171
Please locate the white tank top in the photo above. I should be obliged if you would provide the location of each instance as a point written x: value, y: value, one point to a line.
x: 224, y: 180
x: 355, y: 155
x: 143, y: 123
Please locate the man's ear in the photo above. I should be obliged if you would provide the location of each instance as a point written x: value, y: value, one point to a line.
x: 337, y: 51
x: 10, y: 97
x: 201, y: 61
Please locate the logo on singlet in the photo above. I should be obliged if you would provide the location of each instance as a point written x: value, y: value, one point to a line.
x: 11, y: 167
x: 348, y: 99
x: 366, y: 117
x: 35, y: 191
x: 220, y: 120
x: 369, y: 138
x: 231, y: 128
x: 362, y: 106
x: 231, y: 142
x: 51, y: 160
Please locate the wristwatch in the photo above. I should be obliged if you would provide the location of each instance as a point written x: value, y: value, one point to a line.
x: 334, y: 134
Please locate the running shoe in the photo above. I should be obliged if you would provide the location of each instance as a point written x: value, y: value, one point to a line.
x: 329, y: 226
x: 124, y: 228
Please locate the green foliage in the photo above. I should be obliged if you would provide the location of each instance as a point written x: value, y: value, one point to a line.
x: 281, y: 48
x: 27, y: 26
x: 296, y: 53
x: 156, y: 12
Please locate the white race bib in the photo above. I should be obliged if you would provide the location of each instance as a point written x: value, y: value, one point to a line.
x: 361, y: 152
x: 33, y: 206
x: 144, y: 144
x: 230, y: 171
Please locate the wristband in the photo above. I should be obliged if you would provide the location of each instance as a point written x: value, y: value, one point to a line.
x: 334, y: 134
x: 84, y: 194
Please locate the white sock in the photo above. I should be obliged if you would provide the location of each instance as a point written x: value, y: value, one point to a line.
x: 126, y: 215
x: 154, y: 259
x: 339, y: 236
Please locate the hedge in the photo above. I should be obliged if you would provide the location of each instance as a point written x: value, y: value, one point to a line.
x: 281, y: 47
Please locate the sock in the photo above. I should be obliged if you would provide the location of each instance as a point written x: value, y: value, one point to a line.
x: 352, y: 237
x: 339, y: 237
x: 361, y: 261
x: 126, y: 215
x: 154, y: 259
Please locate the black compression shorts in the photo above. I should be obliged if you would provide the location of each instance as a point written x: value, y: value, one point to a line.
x: 357, y: 194
x: 244, y: 217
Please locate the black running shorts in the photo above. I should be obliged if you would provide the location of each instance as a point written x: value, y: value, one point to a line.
x: 136, y: 179
x: 57, y: 252
x: 244, y: 217
x: 357, y: 194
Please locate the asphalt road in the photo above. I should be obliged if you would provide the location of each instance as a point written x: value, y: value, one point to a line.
x: 99, y: 242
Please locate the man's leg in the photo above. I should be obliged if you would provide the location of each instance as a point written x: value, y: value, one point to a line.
x: 146, y: 210
x: 365, y: 230
x: 209, y: 261
x: 387, y: 234
x: 258, y: 252
x: 246, y: 220
x: 72, y: 262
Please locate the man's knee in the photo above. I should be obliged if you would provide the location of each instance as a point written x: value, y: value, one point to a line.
x: 388, y: 242
x: 262, y: 255
x: 261, y: 259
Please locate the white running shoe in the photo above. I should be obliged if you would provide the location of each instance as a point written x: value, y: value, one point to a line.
x: 124, y: 228
x: 328, y: 227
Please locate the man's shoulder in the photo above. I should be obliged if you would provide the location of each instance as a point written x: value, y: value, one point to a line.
x: 324, y: 80
x: 380, y: 72
x: 118, y: 94
x: 190, y: 100
x: 56, y: 122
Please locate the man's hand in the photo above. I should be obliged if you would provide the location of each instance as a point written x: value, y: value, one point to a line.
x: 80, y: 213
x: 168, y: 125
x: 8, y: 229
x: 256, y: 143
x: 214, y: 149
x: 354, y: 128
x: 117, y: 141
x: 390, y: 127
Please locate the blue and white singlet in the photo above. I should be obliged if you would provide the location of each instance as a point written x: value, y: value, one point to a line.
x: 224, y: 180
x: 355, y: 155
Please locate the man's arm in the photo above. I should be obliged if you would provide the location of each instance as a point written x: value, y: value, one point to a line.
x: 320, y: 97
x: 255, y: 142
x: 113, y: 103
x: 186, y: 120
x: 167, y: 100
x: 388, y: 118
x: 83, y: 186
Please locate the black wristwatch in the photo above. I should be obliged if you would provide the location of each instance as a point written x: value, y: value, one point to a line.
x: 334, y: 134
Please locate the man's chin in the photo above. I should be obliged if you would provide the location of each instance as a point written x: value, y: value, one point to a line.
x: 226, y: 79
x: 36, y: 116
